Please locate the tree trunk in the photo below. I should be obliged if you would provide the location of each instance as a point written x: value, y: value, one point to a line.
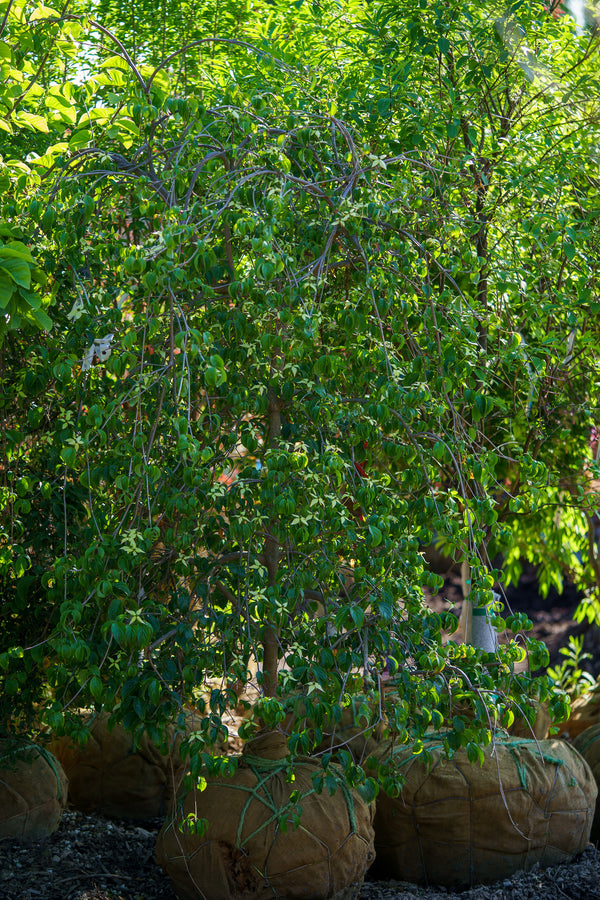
x: 270, y: 638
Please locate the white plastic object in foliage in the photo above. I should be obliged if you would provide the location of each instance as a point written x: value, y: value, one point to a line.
x: 479, y: 630
x: 99, y: 349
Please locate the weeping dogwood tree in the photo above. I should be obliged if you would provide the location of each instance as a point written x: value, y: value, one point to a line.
x: 306, y: 297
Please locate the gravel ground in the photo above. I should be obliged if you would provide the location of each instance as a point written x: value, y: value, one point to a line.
x: 91, y: 858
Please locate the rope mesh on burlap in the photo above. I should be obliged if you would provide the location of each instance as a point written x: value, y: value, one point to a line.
x: 532, y: 801
x: 254, y: 845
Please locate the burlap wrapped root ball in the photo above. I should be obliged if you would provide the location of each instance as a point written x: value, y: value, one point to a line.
x: 359, y: 730
x: 459, y: 824
x: 33, y: 793
x: 539, y: 727
x: 585, y: 712
x: 110, y: 777
x: 588, y: 745
x: 247, y: 851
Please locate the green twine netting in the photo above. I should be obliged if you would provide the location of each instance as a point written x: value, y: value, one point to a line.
x: 586, y: 740
x: 246, y: 851
x: 435, y: 743
x: 45, y: 754
x: 55, y: 766
x: 265, y: 769
x: 550, y: 793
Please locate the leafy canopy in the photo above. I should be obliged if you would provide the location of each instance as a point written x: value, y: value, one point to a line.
x: 281, y: 307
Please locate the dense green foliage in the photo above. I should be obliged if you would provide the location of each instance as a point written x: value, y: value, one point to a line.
x: 281, y: 308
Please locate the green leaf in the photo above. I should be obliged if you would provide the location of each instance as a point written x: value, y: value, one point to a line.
x: 16, y: 250
x: 475, y: 753
x: 127, y: 126
x: 67, y: 112
x: 31, y: 121
x: 211, y: 375
x: 68, y: 456
x: 116, y: 62
x: 96, y: 114
x: 6, y: 290
x: 19, y: 166
x: 44, y: 12
x: 384, y: 106
x: 332, y: 783
x: 41, y: 319
x: 18, y: 270
x: 56, y: 100
x: 483, y: 404
x: 376, y: 536
x: 357, y: 614
x: 34, y: 300
x: 453, y: 128
x: 458, y: 723
x: 96, y: 687
x: 119, y: 633
x: 81, y: 139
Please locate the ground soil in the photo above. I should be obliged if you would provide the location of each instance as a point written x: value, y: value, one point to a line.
x: 92, y: 858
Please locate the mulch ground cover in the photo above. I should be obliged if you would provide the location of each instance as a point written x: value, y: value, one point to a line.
x: 91, y: 858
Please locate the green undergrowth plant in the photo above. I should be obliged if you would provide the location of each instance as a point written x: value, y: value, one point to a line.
x: 569, y: 674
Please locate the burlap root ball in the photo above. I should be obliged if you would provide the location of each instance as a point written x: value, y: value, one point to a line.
x: 539, y: 728
x: 588, y: 745
x: 459, y: 824
x: 33, y: 794
x: 521, y: 727
x: 359, y: 730
x: 108, y: 776
x: 246, y: 852
x: 585, y: 712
